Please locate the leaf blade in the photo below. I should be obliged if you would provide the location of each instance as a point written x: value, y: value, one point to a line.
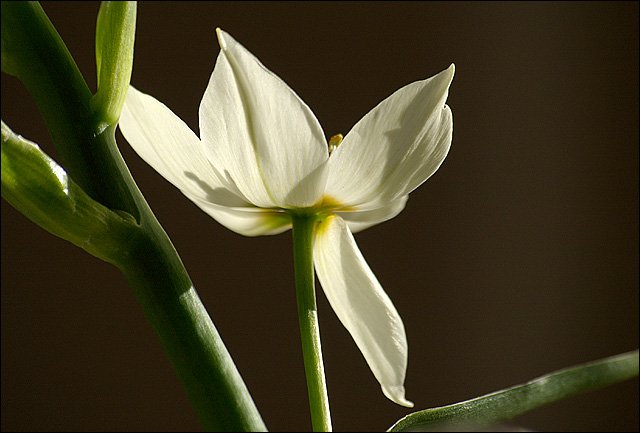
x: 517, y: 400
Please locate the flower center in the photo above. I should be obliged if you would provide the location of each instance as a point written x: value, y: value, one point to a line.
x: 328, y: 205
x: 334, y: 142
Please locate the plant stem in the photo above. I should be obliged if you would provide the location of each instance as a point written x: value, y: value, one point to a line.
x: 303, y: 232
x: 33, y: 51
x: 191, y: 340
x: 511, y: 402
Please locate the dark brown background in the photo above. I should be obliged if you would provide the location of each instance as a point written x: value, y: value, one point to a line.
x: 519, y: 257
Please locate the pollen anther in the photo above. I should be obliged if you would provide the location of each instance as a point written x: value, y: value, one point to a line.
x: 334, y: 142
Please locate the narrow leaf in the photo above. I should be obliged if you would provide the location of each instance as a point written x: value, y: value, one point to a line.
x: 503, y: 405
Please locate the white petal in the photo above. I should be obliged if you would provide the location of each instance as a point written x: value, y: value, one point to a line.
x: 396, y: 146
x: 266, y: 138
x: 247, y: 221
x: 362, y: 306
x: 168, y: 145
x: 364, y: 218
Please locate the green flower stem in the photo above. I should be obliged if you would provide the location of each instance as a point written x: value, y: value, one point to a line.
x: 33, y: 51
x: 509, y: 403
x: 303, y: 233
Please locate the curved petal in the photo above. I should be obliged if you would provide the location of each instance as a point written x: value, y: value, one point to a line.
x: 168, y: 145
x: 266, y: 138
x: 364, y: 218
x: 247, y: 221
x: 362, y: 306
x: 396, y: 146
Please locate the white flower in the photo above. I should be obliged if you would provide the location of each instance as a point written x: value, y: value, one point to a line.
x: 262, y: 155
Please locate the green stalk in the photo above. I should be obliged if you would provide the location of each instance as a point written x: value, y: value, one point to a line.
x: 303, y: 233
x: 509, y: 403
x: 189, y: 337
x: 33, y: 51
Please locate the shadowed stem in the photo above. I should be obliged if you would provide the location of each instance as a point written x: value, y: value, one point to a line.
x: 303, y: 233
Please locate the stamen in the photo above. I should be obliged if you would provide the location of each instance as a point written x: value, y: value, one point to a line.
x: 334, y: 142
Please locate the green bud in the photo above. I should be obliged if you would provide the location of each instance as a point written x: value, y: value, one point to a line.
x: 115, y: 35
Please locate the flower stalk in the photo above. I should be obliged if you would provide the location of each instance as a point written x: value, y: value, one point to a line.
x: 303, y: 234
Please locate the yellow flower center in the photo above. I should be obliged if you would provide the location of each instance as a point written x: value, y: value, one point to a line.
x: 328, y: 205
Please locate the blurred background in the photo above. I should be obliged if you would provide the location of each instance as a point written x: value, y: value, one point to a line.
x: 517, y: 258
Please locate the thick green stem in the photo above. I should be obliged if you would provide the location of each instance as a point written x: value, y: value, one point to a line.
x: 188, y: 335
x: 509, y: 403
x: 303, y: 232
x: 33, y: 51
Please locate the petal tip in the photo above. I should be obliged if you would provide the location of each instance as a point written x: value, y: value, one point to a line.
x: 396, y: 394
x: 449, y: 73
x: 221, y: 34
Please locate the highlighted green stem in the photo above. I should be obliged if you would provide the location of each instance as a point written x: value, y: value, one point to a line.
x: 509, y: 403
x: 303, y: 233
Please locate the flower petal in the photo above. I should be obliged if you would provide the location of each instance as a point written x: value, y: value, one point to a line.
x: 361, y: 219
x: 247, y: 221
x: 396, y: 146
x: 362, y: 306
x: 168, y: 145
x: 266, y: 138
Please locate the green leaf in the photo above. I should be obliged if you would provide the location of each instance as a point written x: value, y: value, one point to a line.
x: 39, y: 188
x: 115, y: 35
x: 506, y: 404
